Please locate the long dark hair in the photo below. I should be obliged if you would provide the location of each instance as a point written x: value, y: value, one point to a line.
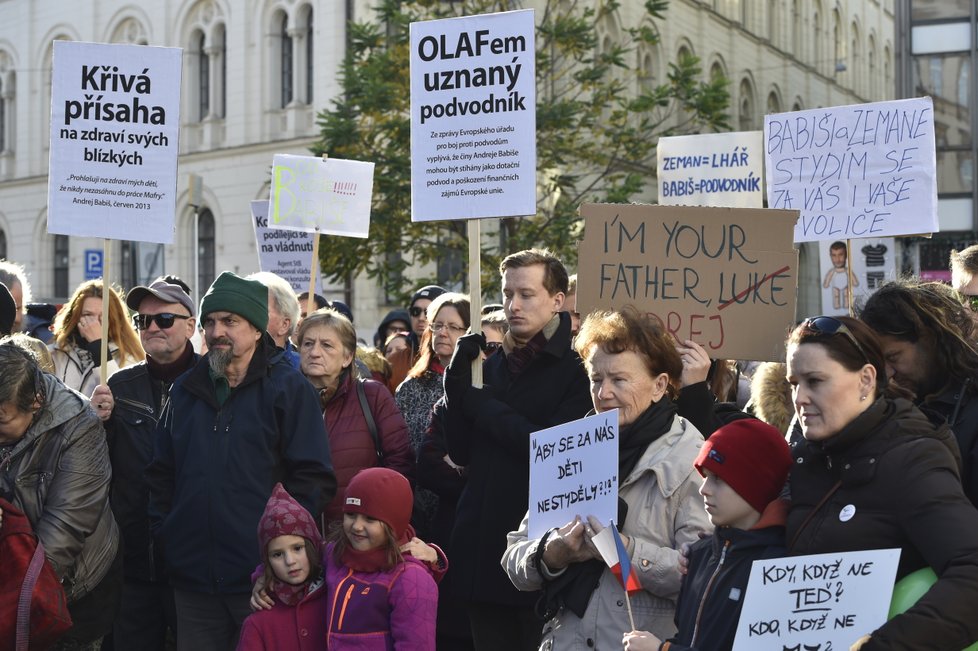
x: 853, y: 353
x: 931, y: 314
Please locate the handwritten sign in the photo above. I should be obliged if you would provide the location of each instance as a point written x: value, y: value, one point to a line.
x: 723, y: 277
x: 574, y: 471
x: 822, y: 602
x: 867, y: 170
x: 473, y: 117
x: 714, y: 169
x: 115, y: 118
x: 285, y: 253
x: 331, y: 196
x: 873, y: 263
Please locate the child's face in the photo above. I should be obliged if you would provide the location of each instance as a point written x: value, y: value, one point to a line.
x: 724, y: 506
x: 287, y: 556
x: 363, y: 532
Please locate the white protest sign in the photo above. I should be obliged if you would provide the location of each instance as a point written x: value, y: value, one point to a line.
x: 866, y: 170
x: 331, y: 196
x: 818, y: 602
x: 574, y: 471
x: 714, y: 169
x: 285, y: 253
x: 473, y: 117
x: 115, y: 117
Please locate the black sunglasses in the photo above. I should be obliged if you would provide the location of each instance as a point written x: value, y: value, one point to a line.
x: 827, y: 325
x: 416, y: 311
x: 493, y: 346
x: 164, y: 320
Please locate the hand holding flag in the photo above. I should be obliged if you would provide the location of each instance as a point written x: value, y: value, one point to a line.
x: 609, y: 544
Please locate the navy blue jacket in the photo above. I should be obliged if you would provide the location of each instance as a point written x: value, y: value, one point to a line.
x: 214, y: 468
x: 729, y: 554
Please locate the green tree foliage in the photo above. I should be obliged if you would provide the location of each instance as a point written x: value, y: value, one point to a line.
x: 599, y: 117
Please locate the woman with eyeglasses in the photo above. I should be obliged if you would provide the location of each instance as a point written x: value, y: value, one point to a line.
x: 364, y: 426
x: 447, y: 319
x: 873, y: 472
x: 54, y: 466
x: 76, y: 349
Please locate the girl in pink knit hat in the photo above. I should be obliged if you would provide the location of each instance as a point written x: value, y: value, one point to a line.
x: 374, y: 581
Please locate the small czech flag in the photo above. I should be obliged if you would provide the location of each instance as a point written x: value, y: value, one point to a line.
x: 615, y: 555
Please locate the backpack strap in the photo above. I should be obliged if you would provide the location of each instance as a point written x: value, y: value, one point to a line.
x: 371, y: 424
x: 24, y: 601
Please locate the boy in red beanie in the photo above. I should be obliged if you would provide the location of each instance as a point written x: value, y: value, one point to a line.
x: 744, y: 466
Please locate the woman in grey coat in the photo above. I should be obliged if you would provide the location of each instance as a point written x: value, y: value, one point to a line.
x: 635, y: 368
x: 54, y: 465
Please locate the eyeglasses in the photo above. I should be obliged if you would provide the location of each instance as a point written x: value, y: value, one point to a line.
x: 416, y: 311
x: 493, y: 346
x: 164, y: 320
x: 827, y: 325
x: 437, y: 327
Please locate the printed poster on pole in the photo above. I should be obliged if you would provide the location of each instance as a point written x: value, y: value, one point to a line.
x: 473, y: 117
x: 115, y: 116
x: 329, y: 196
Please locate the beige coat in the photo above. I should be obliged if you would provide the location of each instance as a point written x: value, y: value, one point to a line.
x: 665, y: 510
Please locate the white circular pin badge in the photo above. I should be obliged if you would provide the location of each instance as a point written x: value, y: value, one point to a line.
x: 847, y: 512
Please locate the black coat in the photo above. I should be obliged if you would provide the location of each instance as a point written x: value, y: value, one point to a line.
x: 130, y: 433
x: 738, y: 549
x: 958, y: 404
x: 490, y: 436
x: 900, y: 474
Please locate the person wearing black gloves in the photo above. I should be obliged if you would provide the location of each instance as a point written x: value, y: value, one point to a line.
x: 536, y: 381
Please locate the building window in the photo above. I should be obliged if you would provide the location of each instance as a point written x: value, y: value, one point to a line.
x: 746, y: 106
x: 61, y: 266
x: 285, y: 70
x: 3, y: 244
x: 773, y: 103
x: 206, y: 250
x: 203, y: 79
x: 964, y: 87
x: 128, y: 260
x: 310, y: 78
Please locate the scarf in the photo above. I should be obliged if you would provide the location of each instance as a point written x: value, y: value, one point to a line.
x: 173, y: 370
x: 373, y: 560
x: 290, y: 595
x: 635, y: 438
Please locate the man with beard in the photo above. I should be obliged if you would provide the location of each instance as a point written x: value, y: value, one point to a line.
x: 926, y: 335
x: 239, y: 421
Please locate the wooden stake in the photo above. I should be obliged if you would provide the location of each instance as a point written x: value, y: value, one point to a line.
x: 311, y: 300
x: 103, y: 371
x: 475, y: 292
x: 849, y: 277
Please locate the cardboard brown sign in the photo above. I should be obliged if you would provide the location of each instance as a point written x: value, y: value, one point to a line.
x: 726, y: 278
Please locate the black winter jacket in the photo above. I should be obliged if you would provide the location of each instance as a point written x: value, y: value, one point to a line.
x: 958, y: 404
x: 900, y: 475
x: 214, y: 468
x: 130, y: 432
x: 490, y: 436
x: 719, y: 569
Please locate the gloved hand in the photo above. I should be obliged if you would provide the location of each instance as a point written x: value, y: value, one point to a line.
x: 467, y: 349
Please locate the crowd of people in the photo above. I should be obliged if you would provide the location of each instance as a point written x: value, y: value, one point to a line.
x: 253, y: 476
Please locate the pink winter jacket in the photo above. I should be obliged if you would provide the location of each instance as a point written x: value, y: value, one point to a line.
x: 392, y: 610
x: 297, y: 628
x: 351, y: 447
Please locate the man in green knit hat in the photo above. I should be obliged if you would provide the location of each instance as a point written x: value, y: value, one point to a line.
x: 239, y: 421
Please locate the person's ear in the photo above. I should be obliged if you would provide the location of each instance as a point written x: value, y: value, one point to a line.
x: 660, y: 385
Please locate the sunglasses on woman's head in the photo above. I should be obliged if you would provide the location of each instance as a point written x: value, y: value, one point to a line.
x: 828, y: 325
x: 164, y: 320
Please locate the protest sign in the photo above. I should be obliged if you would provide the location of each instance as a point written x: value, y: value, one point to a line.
x: 714, y: 169
x: 818, y: 603
x: 866, y: 170
x: 723, y: 277
x: 873, y: 263
x: 115, y: 116
x: 331, y: 196
x: 473, y: 117
x: 574, y: 471
x: 285, y: 253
